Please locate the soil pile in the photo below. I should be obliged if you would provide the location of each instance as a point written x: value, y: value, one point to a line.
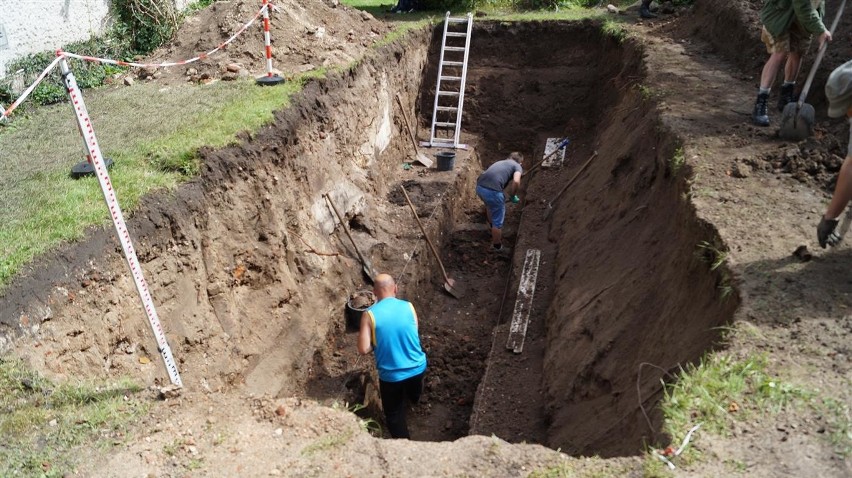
x: 305, y: 35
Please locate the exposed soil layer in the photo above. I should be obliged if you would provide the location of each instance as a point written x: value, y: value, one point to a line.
x: 622, y: 272
x: 251, y: 270
x: 304, y: 35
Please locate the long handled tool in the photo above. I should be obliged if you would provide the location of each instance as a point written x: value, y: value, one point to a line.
x: 570, y: 182
x: 365, y: 264
x: 562, y: 143
x: 797, y: 119
x: 419, y: 157
x: 450, y: 285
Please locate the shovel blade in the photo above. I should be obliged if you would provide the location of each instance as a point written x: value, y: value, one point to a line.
x: 424, y: 160
x: 452, y: 287
x: 797, y: 123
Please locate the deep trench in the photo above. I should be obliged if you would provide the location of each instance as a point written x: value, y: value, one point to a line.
x: 251, y: 272
x: 624, y: 280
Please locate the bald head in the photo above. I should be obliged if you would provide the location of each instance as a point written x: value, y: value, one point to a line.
x: 384, y: 286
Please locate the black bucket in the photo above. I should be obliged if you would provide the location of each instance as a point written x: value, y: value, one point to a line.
x: 446, y: 160
x: 357, y: 303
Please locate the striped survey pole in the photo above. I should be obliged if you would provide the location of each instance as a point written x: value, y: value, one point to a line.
x: 270, y: 78
x: 93, y: 151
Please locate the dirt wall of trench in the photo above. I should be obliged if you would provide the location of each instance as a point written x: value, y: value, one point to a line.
x: 237, y: 259
x: 635, y: 284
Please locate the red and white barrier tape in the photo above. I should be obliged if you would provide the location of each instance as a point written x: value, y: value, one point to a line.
x: 7, y: 112
x: 84, y: 123
x: 202, y: 56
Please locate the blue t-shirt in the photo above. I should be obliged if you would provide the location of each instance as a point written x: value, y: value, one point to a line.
x: 395, y: 339
x: 498, y: 175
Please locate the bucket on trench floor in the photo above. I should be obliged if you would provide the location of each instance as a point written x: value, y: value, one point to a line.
x: 356, y: 304
x: 446, y: 160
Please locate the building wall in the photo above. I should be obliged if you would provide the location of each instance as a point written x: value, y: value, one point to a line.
x: 31, y: 26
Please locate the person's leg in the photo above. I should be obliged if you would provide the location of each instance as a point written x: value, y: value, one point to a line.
x: 760, y: 114
x: 393, y: 402
x: 414, y: 388
x: 770, y: 70
x: 496, y: 210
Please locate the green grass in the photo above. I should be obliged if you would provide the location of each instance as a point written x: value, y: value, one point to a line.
x: 152, y: 134
x: 327, y: 442
x: 722, y: 389
x: 582, y: 468
x: 43, y: 424
x: 494, y: 10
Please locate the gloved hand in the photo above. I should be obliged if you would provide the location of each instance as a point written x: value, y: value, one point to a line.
x: 515, y: 199
x: 826, y: 234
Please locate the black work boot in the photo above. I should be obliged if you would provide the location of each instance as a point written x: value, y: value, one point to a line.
x: 760, y: 117
x: 788, y: 95
x: 645, y: 10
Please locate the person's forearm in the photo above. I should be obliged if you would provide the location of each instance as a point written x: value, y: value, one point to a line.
x: 842, y: 191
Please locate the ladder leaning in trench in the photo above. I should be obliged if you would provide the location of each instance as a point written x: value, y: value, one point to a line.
x: 452, y: 74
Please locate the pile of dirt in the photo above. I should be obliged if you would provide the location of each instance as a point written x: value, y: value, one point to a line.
x: 815, y: 161
x: 305, y: 35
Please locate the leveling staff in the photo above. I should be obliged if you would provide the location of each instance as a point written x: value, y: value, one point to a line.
x: 389, y: 329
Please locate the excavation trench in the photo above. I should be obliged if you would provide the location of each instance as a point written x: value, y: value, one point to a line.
x: 251, y: 271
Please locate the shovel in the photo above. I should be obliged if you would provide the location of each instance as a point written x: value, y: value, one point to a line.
x: 797, y: 119
x: 419, y: 157
x: 562, y: 143
x: 570, y: 182
x: 450, y: 285
x: 365, y: 264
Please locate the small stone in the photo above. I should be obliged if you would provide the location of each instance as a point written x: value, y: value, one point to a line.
x: 171, y: 391
x: 233, y: 67
x: 192, y: 450
x: 211, y: 420
x: 739, y: 170
x: 191, y: 72
x: 281, y: 410
x: 128, y: 81
x: 53, y: 422
x: 612, y: 8
x: 278, y: 432
x: 802, y: 254
x: 229, y: 77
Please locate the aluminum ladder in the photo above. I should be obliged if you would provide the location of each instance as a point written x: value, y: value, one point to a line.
x: 452, y: 74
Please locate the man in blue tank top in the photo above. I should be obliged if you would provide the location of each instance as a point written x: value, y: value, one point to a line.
x: 389, y: 329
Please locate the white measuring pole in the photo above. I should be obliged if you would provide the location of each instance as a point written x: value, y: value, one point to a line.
x: 94, y: 157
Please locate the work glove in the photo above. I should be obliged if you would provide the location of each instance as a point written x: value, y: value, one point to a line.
x: 515, y: 199
x: 826, y: 234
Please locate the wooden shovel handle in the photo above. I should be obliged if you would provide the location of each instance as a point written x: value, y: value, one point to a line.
x: 577, y: 175
x: 559, y: 147
x: 407, y: 124
x: 345, y: 229
x: 423, y: 230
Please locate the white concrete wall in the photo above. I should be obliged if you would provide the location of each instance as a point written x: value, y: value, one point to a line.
x: 30, y: 26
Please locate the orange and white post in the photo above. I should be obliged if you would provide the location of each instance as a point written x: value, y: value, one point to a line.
x: 271, y: 78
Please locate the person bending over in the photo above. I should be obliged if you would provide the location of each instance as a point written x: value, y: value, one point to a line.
x: 489, y: 188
